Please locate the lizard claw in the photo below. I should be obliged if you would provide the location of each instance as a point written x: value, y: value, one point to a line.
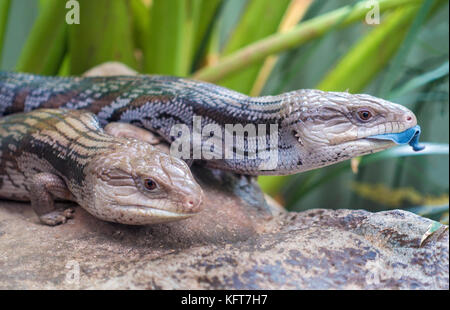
x: 57, y: 217
x: 69, y: 213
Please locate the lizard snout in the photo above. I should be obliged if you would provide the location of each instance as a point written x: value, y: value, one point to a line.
x: 193, y: 203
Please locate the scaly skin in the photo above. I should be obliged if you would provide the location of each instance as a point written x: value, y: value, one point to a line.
x: 315, y: 128
x: 65, y: 154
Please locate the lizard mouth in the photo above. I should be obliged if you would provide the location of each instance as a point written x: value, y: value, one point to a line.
x: 410, y: 136
x: 141, y: 215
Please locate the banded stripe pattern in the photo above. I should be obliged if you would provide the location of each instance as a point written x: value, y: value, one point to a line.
x: 67, y: 142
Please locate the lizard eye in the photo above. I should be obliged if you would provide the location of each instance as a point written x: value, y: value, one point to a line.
x: 364, y: 115
x: 149, y: 184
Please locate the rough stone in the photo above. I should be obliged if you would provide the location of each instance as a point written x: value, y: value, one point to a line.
x: 230, y: 245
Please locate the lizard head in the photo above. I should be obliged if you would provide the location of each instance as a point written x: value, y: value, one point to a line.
x: 330, y: 127
x: 138, y: 184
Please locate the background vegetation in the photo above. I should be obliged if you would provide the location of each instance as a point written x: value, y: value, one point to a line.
x: 262, y: 47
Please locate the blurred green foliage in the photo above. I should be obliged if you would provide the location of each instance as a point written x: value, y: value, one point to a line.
x: 319, y: 44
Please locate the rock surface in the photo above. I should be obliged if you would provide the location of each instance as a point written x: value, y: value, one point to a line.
x: 230, y: 245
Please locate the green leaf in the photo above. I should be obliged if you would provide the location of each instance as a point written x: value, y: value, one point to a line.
x: 46, y: 44
x: 249, y: 30
x: 400, y: 58
x: 4, y: 10
x: 421, y: 80
x: 434, y: 230
x: 295, y: 12
x: 64, y: 70
x: 205, y: 35
x: 190, y: 28
x: 104, y: 34
x: 272, y: 184
x: 165, y: 50
x: 141, y: 22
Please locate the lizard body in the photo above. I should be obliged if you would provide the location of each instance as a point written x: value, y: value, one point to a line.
x: 65, y: 154
x: 313, y: 128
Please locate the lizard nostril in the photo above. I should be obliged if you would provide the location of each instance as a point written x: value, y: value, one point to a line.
x: 410, y: 118
x: 192, y: 204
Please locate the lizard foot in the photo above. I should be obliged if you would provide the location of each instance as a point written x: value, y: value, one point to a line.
x: 57, y: 217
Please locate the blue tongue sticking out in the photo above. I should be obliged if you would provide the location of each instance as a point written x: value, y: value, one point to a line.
x: 409, y: 136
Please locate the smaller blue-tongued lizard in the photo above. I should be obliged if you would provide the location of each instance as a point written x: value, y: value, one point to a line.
x: 64, y: 154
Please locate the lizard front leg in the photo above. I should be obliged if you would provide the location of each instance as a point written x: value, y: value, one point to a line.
x: 44, y: 188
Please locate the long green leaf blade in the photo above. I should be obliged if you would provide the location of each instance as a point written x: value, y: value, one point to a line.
x: 402, y: 54
x: 46, y: 44
x: 104, y: 34
x: 422, y: 80
x: 249, y: 30
x: 370, y: 55
x: 4, y: 10
x: 164, y: 51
